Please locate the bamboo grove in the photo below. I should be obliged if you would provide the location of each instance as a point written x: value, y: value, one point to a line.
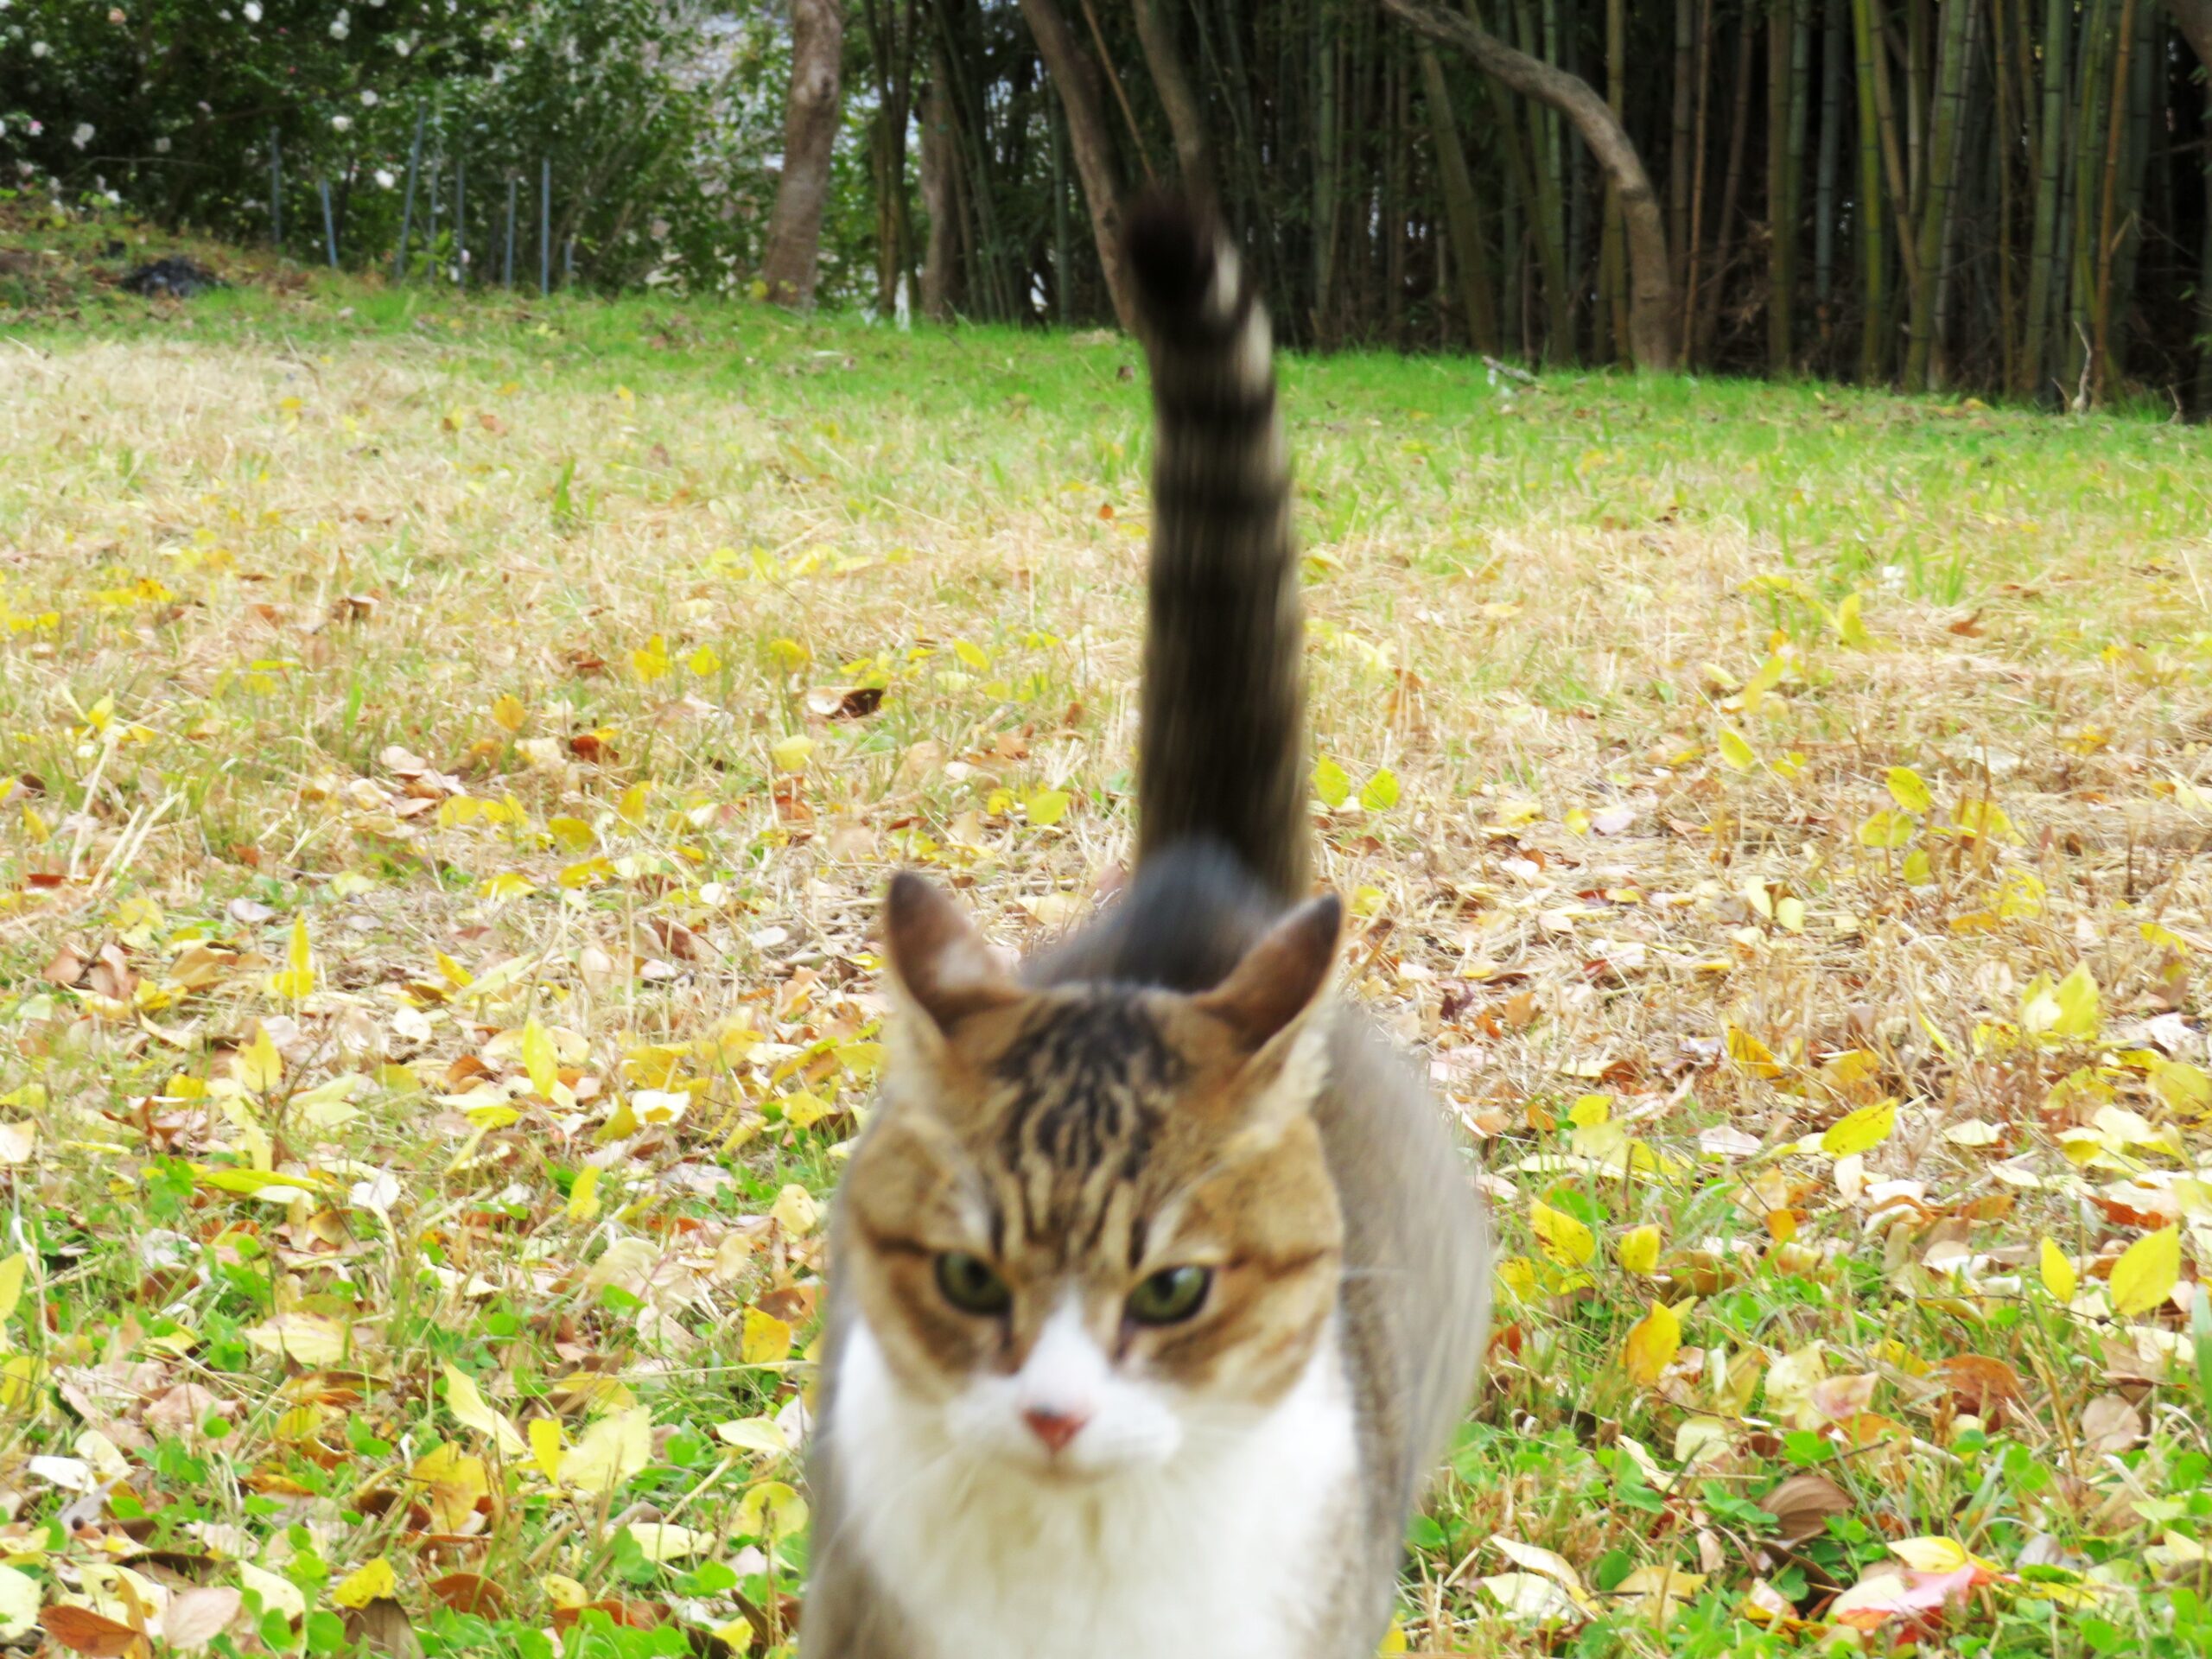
x: 2012, y: 197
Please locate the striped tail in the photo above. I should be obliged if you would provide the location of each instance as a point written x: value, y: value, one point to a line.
x: 1223, y: 749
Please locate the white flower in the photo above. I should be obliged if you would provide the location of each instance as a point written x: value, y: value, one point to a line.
x: 39, y: 48
x: 161, y: 146
x: 114, y: 199
x: 253, y: 12
x: 341, y: 26
x: 383, y: 177
x: 341, y: 123
x: 402, y: 47
x: 37, y: 127
x: 368, y: 98
x: 83, y: 135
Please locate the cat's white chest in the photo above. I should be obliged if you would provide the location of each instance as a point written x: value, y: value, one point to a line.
x: 1228, y: 1553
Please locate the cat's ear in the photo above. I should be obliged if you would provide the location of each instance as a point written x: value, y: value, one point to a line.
x: 946, y: 970
x: 1281, y: 977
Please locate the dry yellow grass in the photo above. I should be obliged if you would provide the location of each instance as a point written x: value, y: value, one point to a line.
x: 564, y: 683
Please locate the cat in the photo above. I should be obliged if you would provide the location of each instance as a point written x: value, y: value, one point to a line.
x: 1157, y: 1283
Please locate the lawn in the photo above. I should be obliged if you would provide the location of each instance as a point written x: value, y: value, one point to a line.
x: 454, y: 750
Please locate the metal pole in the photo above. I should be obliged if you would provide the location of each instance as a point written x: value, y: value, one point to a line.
x: 545, y: 225
x: 507, y: 269
x: 407, y: 212
x: 329, y: 225
x: 460, y: 223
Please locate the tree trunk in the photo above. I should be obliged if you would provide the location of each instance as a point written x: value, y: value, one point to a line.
x: 1957, y: 48
x: 2194, y: 19
x: 1163, y: 56
x: 1073, y: 79
x: 2008, y: 129
x: 2044, y: 287
x: 2110, y: 226
x: 1697, y: 178
x: 2204, y: 272
x: 1835, y: 43
x: 1873, y: 345
x: 793, y: 258
x: 1550, y: 211
x: 1652, y: 308
x: 940, y: 159
x: 1461, y: 209
x: 1678, y: 154
x: 1613, y: 271
x: 1738, y: 127
x: 1788, y: 64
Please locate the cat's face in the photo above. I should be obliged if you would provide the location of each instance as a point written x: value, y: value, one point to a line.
x: 1094, y: 1225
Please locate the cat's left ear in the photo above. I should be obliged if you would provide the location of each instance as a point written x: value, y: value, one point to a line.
x: 946, y: 967
x: 1266, y: 993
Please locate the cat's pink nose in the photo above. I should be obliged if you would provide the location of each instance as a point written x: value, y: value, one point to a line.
x: 1055, y: 1428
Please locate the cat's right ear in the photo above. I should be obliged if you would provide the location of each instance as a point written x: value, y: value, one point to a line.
x: 945, y: 969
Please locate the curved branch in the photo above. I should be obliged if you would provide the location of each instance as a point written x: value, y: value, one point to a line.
x: 1652, y: 337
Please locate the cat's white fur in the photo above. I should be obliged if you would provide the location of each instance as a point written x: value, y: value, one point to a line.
x: 1182, y: 1531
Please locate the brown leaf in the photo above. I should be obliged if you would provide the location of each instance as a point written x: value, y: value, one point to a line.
x: 94, y: 1635
x: 1802, y: 1504
x: 1980, y: 1385
x: 2109, y: 1424
x: 471, y: 1593
x: 383, y: 1627
x: 196, y: 1617
x: 66, y: 968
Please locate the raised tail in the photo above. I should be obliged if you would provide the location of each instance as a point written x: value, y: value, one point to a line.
x: 1223, y: 749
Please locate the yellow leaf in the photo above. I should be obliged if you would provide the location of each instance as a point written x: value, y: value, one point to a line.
x: 1931, y: 1554
x: 1754, y: 1056
x: 704, y: 661
x: 771, y: 1508
x: 1047, y: 807
x: 471, y: 1410
x: 1850, y: 628
x: 1860, y: 1131
x: 1910, y: 790
x: 1332, y: 783
x: 1517, y: 1276
x: 583, y: 1196
x: 12, y: 1284
x: 545, y: 1448
x: 1652, y: 1345
x: 790, y: 753
x: 539, y: 1058
x: 761, y: 1435
x: 631, y: 809
x: 1380, y: 792
x: 795, y: 1210
x: 609, y: 1452
x: 1735, y: 753
x: 767, y: 1339
x: 1565, y: 1240
x: 508, y: 713
x: 314, y: 1339
x: 651, y: 663
x: 2147, y: 1273
x: 2058, y: 1275
x: 660, y: 1542
x: 373, y: 1582
x: 1639, y: 1251
x: 1394, y: 1639
x: 257, y: 1066
x: 2080, y: 1006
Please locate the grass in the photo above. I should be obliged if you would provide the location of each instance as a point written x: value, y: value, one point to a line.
x: 457, y: 747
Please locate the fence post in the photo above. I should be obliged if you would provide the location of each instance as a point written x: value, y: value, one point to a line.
x: 329, y: 225
x: 407, y: 212
x: 276, y: 190
x: 545, y: 225
x: 507, y: 267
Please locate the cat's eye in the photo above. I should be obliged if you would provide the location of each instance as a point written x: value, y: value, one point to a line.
x: 971, y: 1284
x: 1169, y: 1296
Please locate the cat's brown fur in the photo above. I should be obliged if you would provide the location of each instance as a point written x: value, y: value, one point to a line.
x: 1172, y: 1090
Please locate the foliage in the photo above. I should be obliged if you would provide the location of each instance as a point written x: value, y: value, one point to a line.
x: 656, y: 119
x: 456, y: 749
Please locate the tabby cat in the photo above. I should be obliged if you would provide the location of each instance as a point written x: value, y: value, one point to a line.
x: 1157, y: 1283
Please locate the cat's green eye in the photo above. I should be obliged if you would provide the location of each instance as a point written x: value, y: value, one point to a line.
x: 971, y: 1284
x: 1169, y: 1296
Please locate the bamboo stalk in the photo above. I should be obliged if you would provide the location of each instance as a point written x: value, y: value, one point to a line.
x: 2043, y: 286
x: 1873, y: 260
x: 2108, y: 238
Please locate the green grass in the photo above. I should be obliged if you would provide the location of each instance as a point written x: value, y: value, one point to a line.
x: 499, y: 650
